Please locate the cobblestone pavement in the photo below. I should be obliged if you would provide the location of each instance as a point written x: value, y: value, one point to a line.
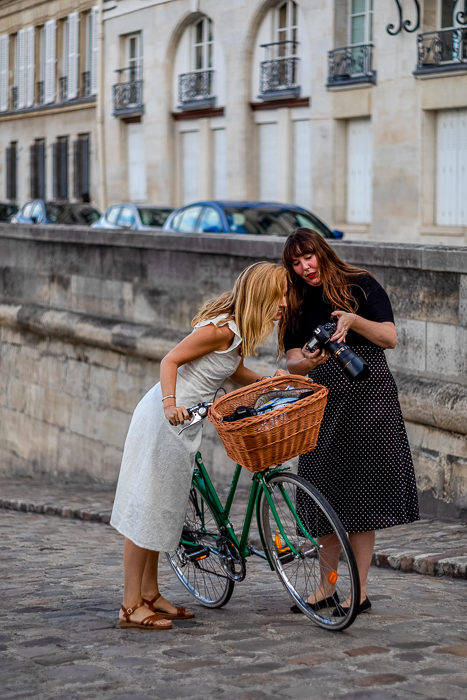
x: 61, y: 582
x: 430, y: 547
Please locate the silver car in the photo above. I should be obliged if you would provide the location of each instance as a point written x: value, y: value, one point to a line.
x: 133, y: 217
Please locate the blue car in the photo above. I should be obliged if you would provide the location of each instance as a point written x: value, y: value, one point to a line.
x: 257, y: 218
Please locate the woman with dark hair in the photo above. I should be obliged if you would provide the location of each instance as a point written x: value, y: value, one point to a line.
x: 362, y: 462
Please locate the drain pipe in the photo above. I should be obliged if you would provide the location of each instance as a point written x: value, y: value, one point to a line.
x: 100, y: 106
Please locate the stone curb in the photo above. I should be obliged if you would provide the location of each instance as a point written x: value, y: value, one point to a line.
x: 102, y: 516
x: 452, y: 563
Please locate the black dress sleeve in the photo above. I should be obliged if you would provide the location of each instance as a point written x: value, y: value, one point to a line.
x: 374, y: 303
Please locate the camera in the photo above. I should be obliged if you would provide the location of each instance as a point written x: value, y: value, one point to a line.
x: 354, y: 367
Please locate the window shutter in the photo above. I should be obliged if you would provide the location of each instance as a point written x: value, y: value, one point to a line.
x: 302, y: 163
x: 268, y: 142
x: 76, y: 170
x: 359, y: 171
x: 94, y: 48
x: 190, y: 166
x: 72, y: 73
x: 33, y: 170
x: 220, y: 164
x: 11, y: 172
x: 50, y: 44
x: 4, y: 72
x: 21, y: 67
x: 56, y: 170
x: 451, y: 168
x: 30, y: 36
x: 462, y: 169
x: 85, y: 175
x: 41, y: 170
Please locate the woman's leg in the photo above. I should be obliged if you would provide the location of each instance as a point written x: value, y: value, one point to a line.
x: 134, y: 564
x: 363, y: 544
x: 150, y: 585
x: 328, y: 560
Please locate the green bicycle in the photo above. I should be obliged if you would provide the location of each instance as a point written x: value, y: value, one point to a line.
x: 293, y: 520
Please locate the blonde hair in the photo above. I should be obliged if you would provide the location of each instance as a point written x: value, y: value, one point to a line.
x: 252, y: 304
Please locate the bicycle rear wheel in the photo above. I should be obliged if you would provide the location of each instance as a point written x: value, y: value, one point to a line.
x: 323, y: 562
x: 199, y: 567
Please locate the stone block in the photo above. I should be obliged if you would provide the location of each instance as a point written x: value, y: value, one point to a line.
x: 51, y: 371
x: 454, y: 567
x: 410, y: 351
x: 445, y: 353
x: 108, y: 426
x: 423, y: 295
x: 76, y: 378
x: 79, y: 455
x: 57, y: 408
x: 111, y: 461
x: 102, y: 296
x: 463, y: 300
x: 102, y: 358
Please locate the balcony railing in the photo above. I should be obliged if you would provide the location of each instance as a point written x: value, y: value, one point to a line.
x: 195, y: 89
x: 86, y: 83
x: 40, y: 92
x: 350, y: 65
x: 128, y: 96
x: 278, y: 74
x: 63, y: 88
x: 14, y: 98
x: 445, y: 50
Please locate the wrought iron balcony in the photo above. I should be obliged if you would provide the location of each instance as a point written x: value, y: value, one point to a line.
x: 63, y: 88
x: 441, y: 51
x: 86, y: 83
x: 40, y: 92
x: 14, y: 98
x: 278, y: 78
x: 195, y: 89
x: 128, y: 96
x: 351, y: 65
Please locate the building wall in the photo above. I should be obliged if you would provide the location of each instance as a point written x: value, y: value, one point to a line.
x: 401, y: 107
x: 85, y: 319
x: 58, y: 118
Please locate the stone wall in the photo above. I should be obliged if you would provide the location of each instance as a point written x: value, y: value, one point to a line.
x: 86, y: 316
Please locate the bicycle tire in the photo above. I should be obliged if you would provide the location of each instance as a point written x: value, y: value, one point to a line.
x: 304, y: 574
x: 205, y: 580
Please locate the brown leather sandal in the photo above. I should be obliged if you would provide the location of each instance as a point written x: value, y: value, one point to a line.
x: 147, y: 623
x: 181, y: 614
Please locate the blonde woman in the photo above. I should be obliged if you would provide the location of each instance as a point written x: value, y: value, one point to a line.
x: 157, y: 466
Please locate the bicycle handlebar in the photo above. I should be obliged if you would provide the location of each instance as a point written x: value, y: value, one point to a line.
x: 198, y: 413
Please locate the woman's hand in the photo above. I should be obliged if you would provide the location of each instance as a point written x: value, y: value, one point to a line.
x: 280, y: 373
x: 176, y: 415
x: 344, y: 322
x: 316, y: 358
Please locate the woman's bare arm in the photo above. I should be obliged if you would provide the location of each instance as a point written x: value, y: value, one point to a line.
x: 301, y: 361
x: 203, y: 341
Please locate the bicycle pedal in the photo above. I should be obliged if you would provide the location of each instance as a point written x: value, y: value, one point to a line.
x: 196, y: 553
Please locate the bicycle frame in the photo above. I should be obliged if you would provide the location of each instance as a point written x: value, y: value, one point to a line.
x: 221, y: 513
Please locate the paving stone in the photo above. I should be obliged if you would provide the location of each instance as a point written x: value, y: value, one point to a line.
x: 366, y: 651
x: 381, y: 679
x: 455, y: 650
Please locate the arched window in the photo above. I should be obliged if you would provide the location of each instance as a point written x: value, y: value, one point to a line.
x: 203, y: 44
x: 287, y: 29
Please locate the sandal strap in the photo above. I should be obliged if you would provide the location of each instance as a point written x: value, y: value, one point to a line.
x: 150, y: 603
x: 147, y: 622
x: 129, y: 611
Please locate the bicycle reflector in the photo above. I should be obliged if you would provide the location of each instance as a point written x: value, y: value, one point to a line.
x: 333, y: 576
x: 196, y: 553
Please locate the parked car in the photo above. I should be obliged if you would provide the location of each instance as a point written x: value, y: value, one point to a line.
x: 39, y: 212
x: 7, y: 211
x: 260, y: 218
x: 135, y: 218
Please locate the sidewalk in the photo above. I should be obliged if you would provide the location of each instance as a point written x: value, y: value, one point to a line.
x: 428, y: 547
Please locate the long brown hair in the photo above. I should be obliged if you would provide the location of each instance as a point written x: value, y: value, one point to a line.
x: 335, y: 274
x: 252, y: 304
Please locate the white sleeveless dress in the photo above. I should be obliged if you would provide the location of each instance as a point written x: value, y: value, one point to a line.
x: 157, y: 464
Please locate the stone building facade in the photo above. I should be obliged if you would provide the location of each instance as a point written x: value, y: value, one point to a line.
x: 356, y: 111
x: 48, y: 89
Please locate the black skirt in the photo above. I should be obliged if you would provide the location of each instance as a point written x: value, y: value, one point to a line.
x: 362, y: 462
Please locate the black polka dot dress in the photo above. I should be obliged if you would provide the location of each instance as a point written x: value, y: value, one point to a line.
x: 362, y: 462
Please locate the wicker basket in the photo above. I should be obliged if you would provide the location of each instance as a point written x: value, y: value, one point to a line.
x: 272, y: 438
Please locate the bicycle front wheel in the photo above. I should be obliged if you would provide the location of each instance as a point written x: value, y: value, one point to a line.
x: 197, y: 564
x: 310, y: 550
